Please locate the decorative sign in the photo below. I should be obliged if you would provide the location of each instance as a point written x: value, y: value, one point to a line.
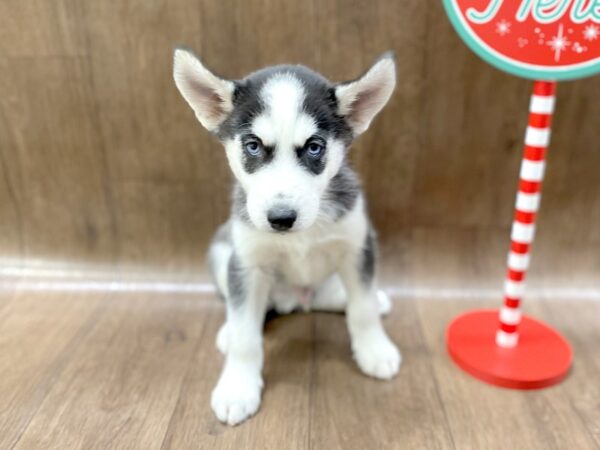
x: 538, y: 39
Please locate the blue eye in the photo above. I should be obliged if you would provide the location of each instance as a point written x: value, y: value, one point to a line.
x: 253, y: 148
x: 314, y: 149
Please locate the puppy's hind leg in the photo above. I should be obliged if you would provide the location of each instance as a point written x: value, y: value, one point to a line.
x: 222, y: 340
x: 331, y: 296
x: 219, y: 254
x: 283, y: 298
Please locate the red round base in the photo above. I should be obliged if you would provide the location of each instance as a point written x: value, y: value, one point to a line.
x: 541, y: 358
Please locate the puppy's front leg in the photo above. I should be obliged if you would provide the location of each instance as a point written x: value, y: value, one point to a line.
x: 373, y: 350
x: 237, y: 394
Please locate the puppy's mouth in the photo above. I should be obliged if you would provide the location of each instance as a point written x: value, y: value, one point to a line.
x: 282, y: 232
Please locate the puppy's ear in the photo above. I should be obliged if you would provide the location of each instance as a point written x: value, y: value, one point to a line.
x: 209, y: 96
x: 360, y: 100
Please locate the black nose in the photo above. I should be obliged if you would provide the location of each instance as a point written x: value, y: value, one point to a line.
x: 281, y: 219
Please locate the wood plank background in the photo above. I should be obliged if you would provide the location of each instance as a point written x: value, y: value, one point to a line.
x: 102, y: 161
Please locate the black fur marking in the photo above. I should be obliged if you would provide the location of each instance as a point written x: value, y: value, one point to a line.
x: 235, y: 281
x: 254, y: 162
x: 341, y: 194
x: 239, y: 206
x: 320, y: 102
x: 314, y: 165
x: 247, y: 105
x: 369, y: 255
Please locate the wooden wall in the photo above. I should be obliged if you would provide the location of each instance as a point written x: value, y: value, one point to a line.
x: 101, y: 160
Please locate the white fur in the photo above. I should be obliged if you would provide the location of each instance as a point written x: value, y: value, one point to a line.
x: 307, y: 257
x: 284, y: 122
x: 237, y: 394
x: 220, y: 252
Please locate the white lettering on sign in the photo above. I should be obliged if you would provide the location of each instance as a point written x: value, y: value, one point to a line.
x: 542, y: 11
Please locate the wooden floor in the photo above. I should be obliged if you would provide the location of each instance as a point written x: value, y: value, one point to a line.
x: 117, y: 370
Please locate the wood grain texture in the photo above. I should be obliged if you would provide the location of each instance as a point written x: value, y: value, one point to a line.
x: 37, y: 339
x: 101, y: 161
x: 122, y: 382
x: 134, y: 371
x: 578, y: 322
x: 350, y: 410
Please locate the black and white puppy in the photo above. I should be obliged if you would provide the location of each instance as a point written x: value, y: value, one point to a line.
x: 298, y: 233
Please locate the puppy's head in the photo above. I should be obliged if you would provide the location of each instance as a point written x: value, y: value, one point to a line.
x: 285, y: 130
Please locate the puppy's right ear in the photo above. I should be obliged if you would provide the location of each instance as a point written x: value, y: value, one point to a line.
x: 210, y: 97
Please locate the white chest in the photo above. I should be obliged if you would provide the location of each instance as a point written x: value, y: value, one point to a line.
x: 303, y: 258
x: 308, y: 265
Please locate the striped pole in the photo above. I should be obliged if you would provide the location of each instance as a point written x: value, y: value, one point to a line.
x: 537, y: 139
x: 540, y: 357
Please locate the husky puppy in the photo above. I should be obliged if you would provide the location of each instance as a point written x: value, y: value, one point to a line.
x: 298, y: 235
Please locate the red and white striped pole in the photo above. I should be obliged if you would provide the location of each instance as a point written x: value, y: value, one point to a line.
x: 522, y: 352
x: 537, y: 138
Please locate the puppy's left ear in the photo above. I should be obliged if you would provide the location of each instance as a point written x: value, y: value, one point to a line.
x: 210, y: 96
x: 360, y: 100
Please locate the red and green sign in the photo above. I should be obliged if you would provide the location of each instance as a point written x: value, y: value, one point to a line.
x: 537, y: 39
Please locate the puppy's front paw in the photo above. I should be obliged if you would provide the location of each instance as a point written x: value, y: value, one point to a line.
x: 236, y: 397
x: 377, y: 356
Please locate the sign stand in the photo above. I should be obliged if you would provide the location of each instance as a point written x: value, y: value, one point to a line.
x: 509, y: 349
x: 538, y: 40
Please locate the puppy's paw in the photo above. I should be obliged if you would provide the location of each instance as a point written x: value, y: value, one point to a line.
x: 377, y: 356
x: 236, y: 397
x: 223, y: 339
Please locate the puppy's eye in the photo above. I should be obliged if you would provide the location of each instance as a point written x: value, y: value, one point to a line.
x: 253, y: 148
x: 314, y: 149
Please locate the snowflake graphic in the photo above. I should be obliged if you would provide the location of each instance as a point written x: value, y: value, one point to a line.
x: 503, y: 27
x: 591, y: 32
x: 558, y: 43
